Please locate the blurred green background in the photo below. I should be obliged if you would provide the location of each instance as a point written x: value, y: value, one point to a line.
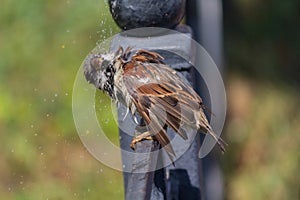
x: 42, y: 45
x: 262, y: 53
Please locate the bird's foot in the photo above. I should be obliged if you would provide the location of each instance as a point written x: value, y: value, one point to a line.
x: 138, y: 138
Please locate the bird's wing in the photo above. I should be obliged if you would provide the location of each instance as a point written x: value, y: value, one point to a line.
x: 160, y: 96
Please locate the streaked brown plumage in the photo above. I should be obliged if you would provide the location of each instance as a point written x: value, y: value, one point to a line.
x: 147, y: 86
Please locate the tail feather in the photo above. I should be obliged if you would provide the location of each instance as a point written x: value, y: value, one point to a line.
x: 221, y: 143
x: 164, y: 141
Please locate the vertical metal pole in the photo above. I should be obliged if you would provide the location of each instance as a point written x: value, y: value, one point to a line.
x: 184, y: 180
x: 205, y: 18
x: 185, y: 176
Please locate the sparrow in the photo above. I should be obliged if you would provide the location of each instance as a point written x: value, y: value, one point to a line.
x: 148, y: 87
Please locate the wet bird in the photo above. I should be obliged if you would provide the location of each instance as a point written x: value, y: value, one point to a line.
x: 151, y: 89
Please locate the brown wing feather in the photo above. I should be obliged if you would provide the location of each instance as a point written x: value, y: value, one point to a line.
x: 165, y: 105
x: 161, y: 97
x: 149, y: 95
x: 154, y: 126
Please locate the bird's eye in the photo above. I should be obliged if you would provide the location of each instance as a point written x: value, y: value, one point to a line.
x: 105, y: 64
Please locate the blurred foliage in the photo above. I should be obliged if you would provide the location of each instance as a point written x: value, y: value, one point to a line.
x: 107, y: 116
x: 263, y: 131
x: 262, y: 45
x: 262, y: 38
x: 42, y: 47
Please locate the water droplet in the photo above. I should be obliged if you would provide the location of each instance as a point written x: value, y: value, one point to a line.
x: 47, y: 115
x: 42, y: 153
x: 12, y: 150
x: 55, y: 94
x: 45, y: 99
x: 35, y: 134
x: 62, y: 46
x: 31, y: 126
x: 124, y: 166
x: 68, y: 31
x: 66, y: 94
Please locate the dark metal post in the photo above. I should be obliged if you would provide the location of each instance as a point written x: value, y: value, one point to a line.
x: 205, y: 18
x: 184, y: 180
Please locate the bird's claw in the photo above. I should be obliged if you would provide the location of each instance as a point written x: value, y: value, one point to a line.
x: 138, y: 138
x: 132, y: 145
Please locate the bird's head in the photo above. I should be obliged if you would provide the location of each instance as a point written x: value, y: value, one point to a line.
x: 99, y: 69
